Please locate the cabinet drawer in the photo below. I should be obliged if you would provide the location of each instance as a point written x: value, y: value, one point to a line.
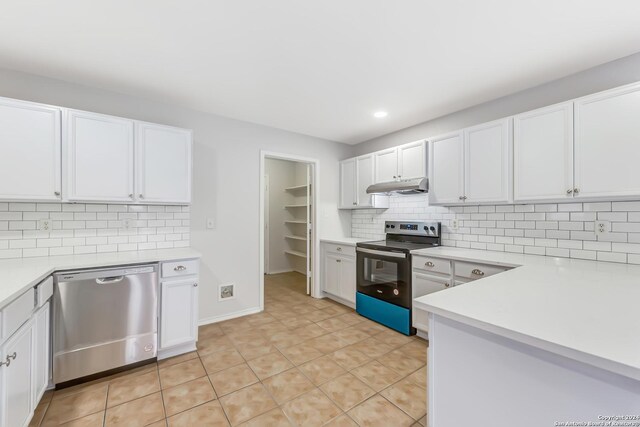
x: 44, y: 291
x: 16, y: 313
x: 340, y: 249
x: 476, y: 271
x: 432, y: 265
x: 180, y: 268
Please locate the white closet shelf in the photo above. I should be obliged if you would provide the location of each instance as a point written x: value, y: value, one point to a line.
x: 295, y: 237
x: 295, y: 221
x: 296, y: 206
x: 296, y: 253
x: 297, y: 187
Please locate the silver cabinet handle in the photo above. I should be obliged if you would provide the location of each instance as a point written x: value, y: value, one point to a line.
x: 576, y: 190
x: 339, y: 249
x: 355, y: 203
x: 460, y: 198
x: 131, y: 196
x: 9, y: 357
x: 446, y: 285
x: 569, y: 191
x: 56, y: 193
x: 140, y: 196
x: 477, y: 272
x: 429, y: 264
x: 195, y: 285
x: 464, y: 197
x: 338, y: 260
x: 180, y: 268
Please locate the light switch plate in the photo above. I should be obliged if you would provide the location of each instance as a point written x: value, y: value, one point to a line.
x: 211, y: 223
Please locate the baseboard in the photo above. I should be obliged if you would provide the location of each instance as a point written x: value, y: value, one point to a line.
x: 216, y: 319
x: 338, y: 299
x: 176, y: 351
x: 279, y: 272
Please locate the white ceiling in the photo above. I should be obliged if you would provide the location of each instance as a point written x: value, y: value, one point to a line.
x: 319, y: 67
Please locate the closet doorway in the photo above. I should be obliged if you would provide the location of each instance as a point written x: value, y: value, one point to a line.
x: 288, y: 244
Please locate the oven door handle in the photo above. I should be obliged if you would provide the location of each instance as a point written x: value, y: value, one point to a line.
x: 382, y: 253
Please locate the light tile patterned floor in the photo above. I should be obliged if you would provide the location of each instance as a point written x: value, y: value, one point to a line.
x: 302, y: 362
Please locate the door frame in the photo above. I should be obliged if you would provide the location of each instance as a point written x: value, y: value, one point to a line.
x: 315, y: 243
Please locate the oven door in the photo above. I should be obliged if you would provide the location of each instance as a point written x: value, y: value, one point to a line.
x: 385, y: 275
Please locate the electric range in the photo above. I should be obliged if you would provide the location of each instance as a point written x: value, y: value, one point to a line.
x: 383, y: 269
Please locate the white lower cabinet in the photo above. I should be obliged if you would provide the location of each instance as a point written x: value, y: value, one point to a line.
x: 178, y: 310
x: 16, y: 373
x: 424, y: 284
x: 42, y: 353
x: 339, y: 273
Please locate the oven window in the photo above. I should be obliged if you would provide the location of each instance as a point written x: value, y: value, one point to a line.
x: 377, y: 271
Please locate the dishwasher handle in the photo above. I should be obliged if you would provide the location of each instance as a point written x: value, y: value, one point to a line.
x: 108, y: 280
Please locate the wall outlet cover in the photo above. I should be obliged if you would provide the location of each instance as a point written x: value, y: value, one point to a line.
x: 454, y: 224
x: 44, y: 225
x: 602, y: 227
x: 226, y: 291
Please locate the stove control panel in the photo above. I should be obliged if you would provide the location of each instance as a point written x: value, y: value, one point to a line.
x: 411, y: 228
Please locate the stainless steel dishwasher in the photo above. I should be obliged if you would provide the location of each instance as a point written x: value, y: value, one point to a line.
x: 103, y: 319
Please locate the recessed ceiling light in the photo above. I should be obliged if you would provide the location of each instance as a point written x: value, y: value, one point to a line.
x: 380, y: 114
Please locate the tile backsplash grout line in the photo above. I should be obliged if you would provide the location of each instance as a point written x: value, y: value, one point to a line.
x: 552, y: 229
x: 81, y: 228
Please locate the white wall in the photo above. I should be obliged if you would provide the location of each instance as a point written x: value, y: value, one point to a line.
x: 616, y: 73
x: 226, y: 179
x: 282, y: 174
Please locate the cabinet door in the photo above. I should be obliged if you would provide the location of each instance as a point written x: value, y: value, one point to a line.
x: 41, y: 353
x: 412, y: 160
x: 347, y: 184
x: 365, y: 177
x: 543, y: 153
x: 179, y: 313
x: 607, y: 143
x: 100, y: 157
x: 487, y: 158
x: 30, y: 145
x: 347, y: 279
x: 15, y: 379
x: 332, y: 274
x: 446, y: 169
x: 386, y: 165
x: 423, y: 284
x: 163, y: 164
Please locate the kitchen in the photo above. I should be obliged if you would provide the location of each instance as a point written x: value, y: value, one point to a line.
x: 131, y: 197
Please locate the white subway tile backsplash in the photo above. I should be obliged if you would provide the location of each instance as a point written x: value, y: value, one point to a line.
x: 559, y: 230
x: 90, y: 228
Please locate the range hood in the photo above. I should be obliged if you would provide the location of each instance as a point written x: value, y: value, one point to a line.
x: 403, y: 186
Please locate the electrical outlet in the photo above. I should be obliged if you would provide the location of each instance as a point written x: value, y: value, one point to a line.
x: 454, y: 224
x: 602, y: 227
x: 211, y: 223
x: 126, y: 224
x: 44, y: 225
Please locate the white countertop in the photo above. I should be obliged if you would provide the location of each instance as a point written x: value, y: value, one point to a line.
x: 18, y: 275
x: 347, y: 241
x: 583, y: 310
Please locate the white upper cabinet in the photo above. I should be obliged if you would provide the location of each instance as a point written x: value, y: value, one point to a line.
x: 446, y: 173
x: 163, y: 164
x: 412, y: 160
x: 543, y: 154
x: 100, y: 158
x: 348, y: 184
x: 386, y: 165
x: 487, y: 159
x: 607, y: 144
x: 356, y: 174
x: 30, y: 143
x: 365, y: 177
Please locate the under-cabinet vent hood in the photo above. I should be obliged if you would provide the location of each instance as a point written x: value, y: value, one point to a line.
x: 403, y: 186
